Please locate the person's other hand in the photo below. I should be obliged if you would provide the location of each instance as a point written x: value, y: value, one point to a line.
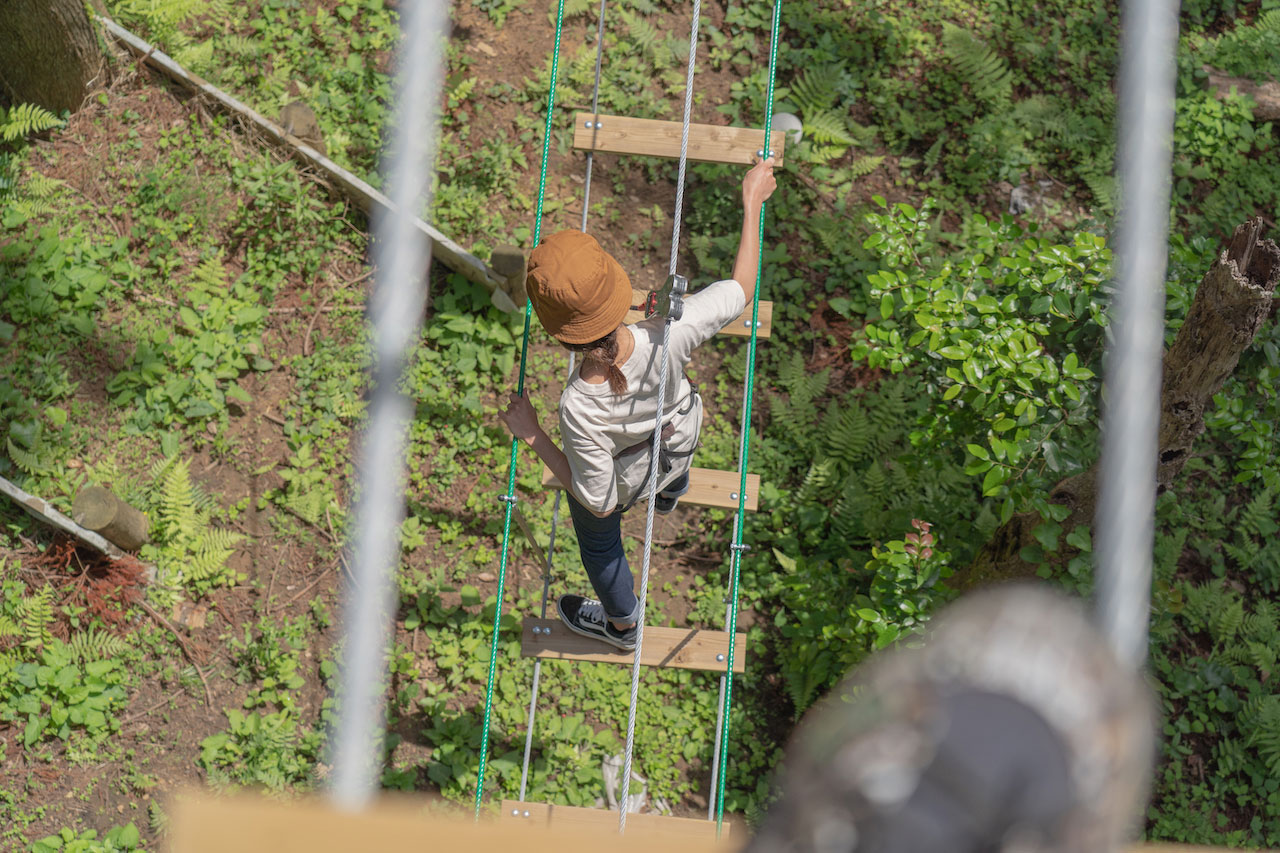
x: 520, y: 417
x: 758, y: 184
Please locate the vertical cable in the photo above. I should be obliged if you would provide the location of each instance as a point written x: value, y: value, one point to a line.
x: 657, y: 431
x: 555, y: 510
x: 715, y: 755
x: 401, y: 259
x: 1127, y: 492
x: 644, y: 583
x: 684, y: 136
x: 737, y: 547
x: 509, y: 497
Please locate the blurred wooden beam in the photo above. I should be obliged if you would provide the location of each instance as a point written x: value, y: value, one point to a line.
x: 246, y: 824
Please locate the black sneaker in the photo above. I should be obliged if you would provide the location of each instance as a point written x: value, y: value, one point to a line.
x: 586, y: 616
x: 663, y: 504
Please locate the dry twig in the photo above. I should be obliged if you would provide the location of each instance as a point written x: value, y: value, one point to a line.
x: 186, y: 648
x: 279, y: 562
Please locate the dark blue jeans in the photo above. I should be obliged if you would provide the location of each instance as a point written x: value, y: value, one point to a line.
x: 600, y: 544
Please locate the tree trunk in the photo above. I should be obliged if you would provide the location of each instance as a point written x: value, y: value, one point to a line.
x: 1233, y: 302
x: 49, y: 53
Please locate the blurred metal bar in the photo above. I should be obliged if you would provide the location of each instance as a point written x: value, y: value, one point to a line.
x: 1127, y: 489
x: 402, y: 255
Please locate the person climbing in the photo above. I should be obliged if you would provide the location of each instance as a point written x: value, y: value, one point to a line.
x: 608, y: 410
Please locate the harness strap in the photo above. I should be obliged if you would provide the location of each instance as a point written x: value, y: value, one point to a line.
x: 665, y: 454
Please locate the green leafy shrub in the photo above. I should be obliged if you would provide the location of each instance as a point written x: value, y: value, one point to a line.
x: 828, y: 628
x: 1006, y: 333
x: 267, y: 749
x: 118, y: 839
x: 189, y: 373
x: 53, y: 694
x: 269, y: 660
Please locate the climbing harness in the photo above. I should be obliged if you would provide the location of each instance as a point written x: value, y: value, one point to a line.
x: 668, y: 304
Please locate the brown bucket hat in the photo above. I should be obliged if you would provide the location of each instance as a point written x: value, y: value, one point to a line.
x: 578, y: 290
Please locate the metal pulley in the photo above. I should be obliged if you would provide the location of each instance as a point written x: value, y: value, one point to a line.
x: 668, y: 301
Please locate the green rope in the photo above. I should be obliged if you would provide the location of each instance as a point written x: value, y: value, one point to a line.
x: 736, y: 550
x: 509, y: 497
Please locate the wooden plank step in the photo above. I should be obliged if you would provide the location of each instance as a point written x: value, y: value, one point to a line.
x: 605, y: 821
x: 708, y: 143
x: 707, y: 487
x: 740, y: 325
x: 674, y: 648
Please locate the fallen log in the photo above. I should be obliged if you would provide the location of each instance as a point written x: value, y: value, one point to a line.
x: 43, y: 511
x: 1266, y: 96
x: 97, y: 509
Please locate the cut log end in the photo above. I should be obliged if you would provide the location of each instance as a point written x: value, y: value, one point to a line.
x: 97, y: 509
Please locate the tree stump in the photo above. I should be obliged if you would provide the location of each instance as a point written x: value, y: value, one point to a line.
x: 96, y: 509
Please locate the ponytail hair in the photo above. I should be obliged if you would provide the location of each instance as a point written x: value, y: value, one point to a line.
x: 603, y: 354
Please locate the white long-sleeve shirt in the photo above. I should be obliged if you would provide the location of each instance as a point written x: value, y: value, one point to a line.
x: 596, y: 424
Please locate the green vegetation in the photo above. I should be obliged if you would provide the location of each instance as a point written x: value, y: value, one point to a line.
x: 118, y: 839
x: 49, y: 688
x: 185, y: 325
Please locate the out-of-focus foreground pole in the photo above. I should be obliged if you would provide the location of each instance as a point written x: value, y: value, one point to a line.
x: 401, y: 257
x: 1127, y: 491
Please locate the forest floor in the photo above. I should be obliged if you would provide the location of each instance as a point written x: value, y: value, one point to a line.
x: 292, y: 569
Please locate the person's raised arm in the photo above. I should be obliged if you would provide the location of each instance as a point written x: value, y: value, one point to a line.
x: 757, y: 186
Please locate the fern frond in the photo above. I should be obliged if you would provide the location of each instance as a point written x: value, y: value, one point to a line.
x: 850, y: 513
x: 1261, y: 719
x: 25, y: 119
x: 1167, y: 551
x: 848, y: 438
x: 829, y: 231
x: 241, y: 47
x: 820, y: 154
x: 819, y: 480
x: 1256, y: 517
x: 159, y: 819
x: 1103, y: 188
x: 193, y: 54
x: 42, y: 186
x: 828, y: 126
x: 94, y: 645
x: 647, y: 37
x: 815, y: 91
x: 36, y: 613
x: 864, y: 166
x: 211, y: 273
x: 28, y: 461
x: 210, y: 554
x: 1227, y: 621
x: 984, y: 70
x: 177, y: 500
x: 1262, y: 624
